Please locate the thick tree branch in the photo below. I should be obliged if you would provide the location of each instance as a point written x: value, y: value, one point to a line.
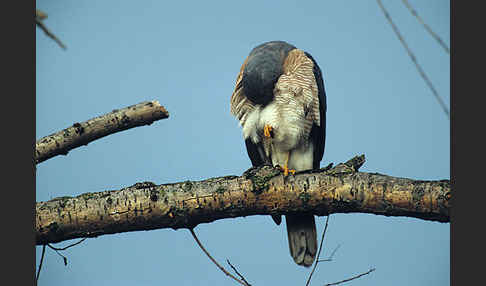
x: 260, y: 191
x: 82, y: 133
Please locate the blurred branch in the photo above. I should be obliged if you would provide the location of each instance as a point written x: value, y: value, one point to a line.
x: 259, y: 191
x: 39, y: 16
x: 414, y: 60
x: 79, y: 134
x: 434, y: 35
x: 332, y: 254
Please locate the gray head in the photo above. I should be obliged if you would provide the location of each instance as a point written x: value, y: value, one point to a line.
x: 263, y: 68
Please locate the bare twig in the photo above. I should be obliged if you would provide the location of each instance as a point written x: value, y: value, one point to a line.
x: 434, y: 35
x: 414, y: 60
x: 64, y: 248
x: 40, y: 264
x: 63, y: 257
x: 39, y: 16
x: 352, y: 278
x: 238, y: 273
x: 319, y: 252
x: 332, y: 254
x: 71, y: 245
x: 214, y: 261
x: 79, y: 134
x: 334, y: 251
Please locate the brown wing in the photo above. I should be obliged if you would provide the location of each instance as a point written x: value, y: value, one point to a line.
x: 297, y: 92
x: 300, y: 79
x: 240, y: 105
x: 318, y: 132
x: 299, y: 75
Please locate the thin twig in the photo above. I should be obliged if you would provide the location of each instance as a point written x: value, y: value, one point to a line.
x: 64, y: 248
x: 332, y: 254
x: 71, y: 245
x: 57, y: 251
x: 414, y: 60
x: 40, y: 264
x: 39, y: 16
x: 214, y: 261
x: 238, y: 273
x: 319, y: 252
x: 352, y: 278
x: 434, y: 35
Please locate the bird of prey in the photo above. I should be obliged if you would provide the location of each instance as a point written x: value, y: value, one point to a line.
x: 280, y: 102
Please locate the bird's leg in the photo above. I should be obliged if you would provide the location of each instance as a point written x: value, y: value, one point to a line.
x: 286, y: 166
x: 267, y: 131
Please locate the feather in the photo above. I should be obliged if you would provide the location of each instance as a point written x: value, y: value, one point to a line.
x: 295, y: 110
x: 302, y: 237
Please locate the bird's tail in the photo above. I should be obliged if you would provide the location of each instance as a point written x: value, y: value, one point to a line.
x: 301, y: 230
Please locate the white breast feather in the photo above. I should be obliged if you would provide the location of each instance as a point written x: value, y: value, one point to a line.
x: 291, y: 115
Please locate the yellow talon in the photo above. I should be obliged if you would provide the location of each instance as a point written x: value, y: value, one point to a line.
x: 286, y: 171
x: 266, y: 131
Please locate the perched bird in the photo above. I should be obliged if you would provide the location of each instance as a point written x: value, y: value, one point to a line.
x: 280, y: 102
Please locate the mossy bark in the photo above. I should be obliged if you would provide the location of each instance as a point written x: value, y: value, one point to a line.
x: 261, y: 191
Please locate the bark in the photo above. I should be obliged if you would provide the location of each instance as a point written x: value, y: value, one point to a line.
x: 259, y: 191
x: 82, y: 133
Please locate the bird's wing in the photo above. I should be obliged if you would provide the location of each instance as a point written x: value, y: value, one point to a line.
x: 318, y: 132
x: 240, y: 105
x: 298, y: 72
x: 303, y: 77
x: 298, y: 79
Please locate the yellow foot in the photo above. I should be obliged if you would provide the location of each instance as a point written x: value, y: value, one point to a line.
x: 286, y: 171
x: 267, y: 131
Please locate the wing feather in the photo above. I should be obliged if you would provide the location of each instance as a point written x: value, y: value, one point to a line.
x: 297, y: 92
x: 318, y: 132
x: 240, y: 105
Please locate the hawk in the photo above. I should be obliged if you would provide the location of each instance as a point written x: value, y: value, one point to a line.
x: 280, y: 102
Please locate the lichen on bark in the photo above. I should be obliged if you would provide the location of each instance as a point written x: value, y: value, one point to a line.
x: 259, y: 191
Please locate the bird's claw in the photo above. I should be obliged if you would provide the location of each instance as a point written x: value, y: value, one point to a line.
x: 267, y: 131
x: 286, y: 171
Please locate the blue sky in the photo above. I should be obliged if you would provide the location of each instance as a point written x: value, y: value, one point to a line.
x: 186, y: 55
